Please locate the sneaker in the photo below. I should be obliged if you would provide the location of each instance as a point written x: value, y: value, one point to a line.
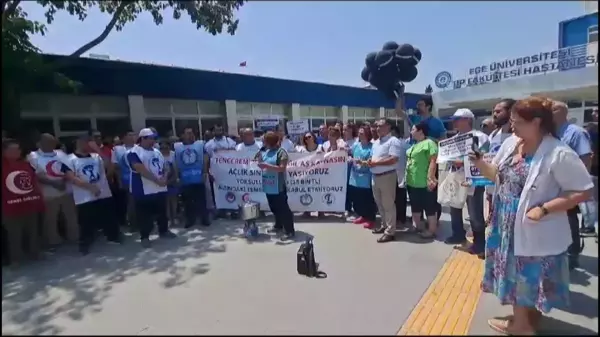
x: 167, y: 235
x: 359, y: 221
x: 146, y: 243
x: 587, y: 231
x: 369, y: 224
x: 351, y: 218
x: 274, y: 230
x: 452, y: 240
x: 287, y: 236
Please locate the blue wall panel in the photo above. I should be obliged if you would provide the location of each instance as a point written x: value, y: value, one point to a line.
x: 123, y: 78
x: 574, y: 32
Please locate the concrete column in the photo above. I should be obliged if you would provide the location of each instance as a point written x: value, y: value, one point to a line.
x: 231, y: 115
x: 137, y: 112
x: 344, y: 114
x: 381, y: 112
x: 296, y: 111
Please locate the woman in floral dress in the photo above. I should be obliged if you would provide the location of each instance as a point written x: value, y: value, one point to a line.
x: 538, y: 179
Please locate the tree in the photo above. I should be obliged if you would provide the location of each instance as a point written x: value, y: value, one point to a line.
x: 22, y: 63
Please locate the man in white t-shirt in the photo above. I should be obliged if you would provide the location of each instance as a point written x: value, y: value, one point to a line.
x: 249, y: 143
x: 48, y: 164
x: 218, y: 143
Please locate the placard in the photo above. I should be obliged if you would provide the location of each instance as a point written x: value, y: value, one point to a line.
x: 455, y: 148
x: 266, y: 124
x: 472, y: 173
x: 297, y: 127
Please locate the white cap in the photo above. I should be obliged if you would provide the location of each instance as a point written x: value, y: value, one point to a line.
x: 463, y: 113
x: 146, y: 133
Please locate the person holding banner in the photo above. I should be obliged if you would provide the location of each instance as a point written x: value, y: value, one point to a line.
x: 249, y: 143
x: 191, y: 161
x: 308, y: 144
x: 272, y: 160
x: 539, y: 179
x: 360, y: 180
x: 219, y: 142
x: 421, y: 181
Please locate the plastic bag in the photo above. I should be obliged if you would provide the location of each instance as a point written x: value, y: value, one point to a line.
x: 589, y: 213
x: 451, y: 193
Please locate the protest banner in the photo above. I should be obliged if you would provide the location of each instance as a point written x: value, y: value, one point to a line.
x: 315, y: 181
x: 473, y: 175
x: 297, y: 127
x: 455, y: 148
x: 266, y: 123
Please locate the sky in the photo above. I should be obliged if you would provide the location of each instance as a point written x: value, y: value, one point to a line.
x: 327, y: 41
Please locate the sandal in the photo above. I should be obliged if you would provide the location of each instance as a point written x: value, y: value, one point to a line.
x: 505, y: 327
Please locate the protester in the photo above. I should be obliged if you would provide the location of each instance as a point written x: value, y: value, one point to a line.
x: 149, y: 187
x: 383, y: 163
x: 323, y: 134
x: 539, y: 178
x: 286, y: 143
x: 22, y: 202
x: 58, y: 196
x: 219, y: 142
x: 95, y: 208
x: 192, y: 166
x: 124, y: 207
x: 487, y: 126
x: 164, y: 146
x: 421, y: 181
x: 360, y: 180
x: 349, y: 135
x: 579, y: 141
x: 249, y: 143
x: 462, y: 121
x: 401, y: 194
x: 308, y: 144
x: 273, y: 160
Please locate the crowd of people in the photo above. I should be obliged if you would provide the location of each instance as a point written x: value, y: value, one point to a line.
x: 541, y: 171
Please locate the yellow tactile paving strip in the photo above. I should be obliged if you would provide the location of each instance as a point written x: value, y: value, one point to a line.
x: 449, y: 304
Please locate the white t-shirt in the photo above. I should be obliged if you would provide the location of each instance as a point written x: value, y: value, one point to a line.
x: 49, y: 164
x: 340, y: 144
x: 288, y: 145
x: 303, y: 149
x: 215, y: 145
x: 89, y: 169
x: 253, y: 148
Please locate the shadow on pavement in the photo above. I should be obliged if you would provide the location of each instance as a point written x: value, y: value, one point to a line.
x: 69, y: 286
x: 582, y: 305
x: 554, y: 327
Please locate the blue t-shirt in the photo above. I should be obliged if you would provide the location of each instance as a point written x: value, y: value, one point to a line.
x: 576, y: 137
x: 436, y: 126
x: 360, y: 175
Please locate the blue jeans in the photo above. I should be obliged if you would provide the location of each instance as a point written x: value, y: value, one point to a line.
x: 477, y: 219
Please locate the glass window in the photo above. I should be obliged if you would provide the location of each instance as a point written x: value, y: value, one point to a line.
x: 587, y: 115
x: 372, y: 113
x: 331, y: 111
x: 67, y: 125
x: 593, y: 34
x: 209, y: 123
x: 315, y: 123
x: 182, y: 123
x: 243, y: 109
x: 574, y: 104
x: 163, y: 126
x: 245, y: 123
x: 113, y: 126
x: 41, y: 125
x: 356, y: 112
x: 591, y: 104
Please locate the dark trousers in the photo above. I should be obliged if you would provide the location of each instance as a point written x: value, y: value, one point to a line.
x: 284, y: 218
x: 148, y: 209
x: 364, y: 203
x: 401, y: 205
x: 120, y: 201
x: 476, y: 216
x: 575, y: 247
x: 193, y: 197
x: 94, y: 216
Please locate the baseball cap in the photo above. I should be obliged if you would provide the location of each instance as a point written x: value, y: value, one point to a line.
x: 463, y: 113
x: 146, y: 132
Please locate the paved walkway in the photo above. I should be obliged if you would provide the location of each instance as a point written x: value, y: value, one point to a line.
x: 212, y: 281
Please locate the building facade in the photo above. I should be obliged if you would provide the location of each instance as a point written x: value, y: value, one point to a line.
x: 116, y: 96
x: 569, y: 73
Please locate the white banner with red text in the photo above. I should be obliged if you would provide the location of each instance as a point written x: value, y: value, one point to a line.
x: 315, y: 182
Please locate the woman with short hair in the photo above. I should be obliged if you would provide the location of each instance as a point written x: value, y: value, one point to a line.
x: 273, y: 160
x: 359, y: 188
x: 538, y: 178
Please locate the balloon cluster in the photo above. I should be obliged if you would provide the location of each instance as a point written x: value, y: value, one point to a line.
x: 391, y: 67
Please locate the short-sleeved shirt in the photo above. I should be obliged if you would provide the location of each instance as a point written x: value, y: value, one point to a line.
x: 385, y: 147
x: 417, y: 162
x: 360, y: 175
x: 436, y: 126
x: 280, y: 155
x: 576, y: 137
x: 220, y: 144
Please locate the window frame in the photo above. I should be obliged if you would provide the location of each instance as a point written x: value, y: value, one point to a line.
x: 592, y: 34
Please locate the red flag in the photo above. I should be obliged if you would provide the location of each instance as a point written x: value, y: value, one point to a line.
x: 243, y: 64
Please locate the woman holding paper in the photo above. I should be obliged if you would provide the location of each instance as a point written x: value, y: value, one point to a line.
x: 538, y: 179
x: 360, y: 189
x: 272, y: 160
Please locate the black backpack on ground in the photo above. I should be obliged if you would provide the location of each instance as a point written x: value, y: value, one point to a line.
x: 305, y: 260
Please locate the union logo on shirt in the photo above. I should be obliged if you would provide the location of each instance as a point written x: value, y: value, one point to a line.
x: 19, y: 182
x: 189, y: 156
x: 53, y: 169
x: 90, y: 173
x: 160, y: 168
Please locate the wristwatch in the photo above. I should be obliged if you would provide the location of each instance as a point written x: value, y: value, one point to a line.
x: 544, y: 209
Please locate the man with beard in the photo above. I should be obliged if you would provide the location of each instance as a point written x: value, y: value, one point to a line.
x: 218, y: 143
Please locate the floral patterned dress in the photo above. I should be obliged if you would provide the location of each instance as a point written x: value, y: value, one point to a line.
x: 540, y: 282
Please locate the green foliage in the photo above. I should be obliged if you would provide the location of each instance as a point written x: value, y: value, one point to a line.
x: 22, y: 64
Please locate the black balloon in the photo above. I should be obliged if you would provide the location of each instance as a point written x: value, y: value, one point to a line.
x: 390, y: 67
x: 391, y: 45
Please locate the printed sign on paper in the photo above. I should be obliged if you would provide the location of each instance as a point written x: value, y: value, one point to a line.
x: 455, y: 148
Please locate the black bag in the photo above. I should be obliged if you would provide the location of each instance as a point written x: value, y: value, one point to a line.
x: 305, y: 260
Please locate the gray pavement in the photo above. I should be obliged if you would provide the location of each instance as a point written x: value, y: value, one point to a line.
x: 212, y: 281
x: 580, y: 318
